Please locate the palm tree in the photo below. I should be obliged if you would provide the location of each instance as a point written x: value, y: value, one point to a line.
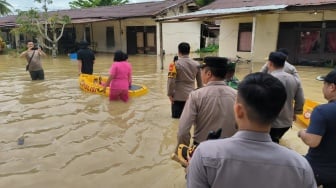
x: 4, y: 7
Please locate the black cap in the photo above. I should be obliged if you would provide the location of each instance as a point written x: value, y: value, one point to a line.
x: 216, y: 62
x: 278, y: 58
x: 83, y: 44
x: 329, y: 78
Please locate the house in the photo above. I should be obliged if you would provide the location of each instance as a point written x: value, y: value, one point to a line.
x: 253, y: 28
x: 131, y: 27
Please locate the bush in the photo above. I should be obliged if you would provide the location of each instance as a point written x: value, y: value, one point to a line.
x: 210, y: 48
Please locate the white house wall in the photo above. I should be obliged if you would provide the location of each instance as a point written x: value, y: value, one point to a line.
x: 99, y: 32
x: 265, y: 37
x: 175, y: 33
x: 266, y: 33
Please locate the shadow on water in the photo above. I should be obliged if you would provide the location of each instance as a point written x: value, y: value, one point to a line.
x: 78, y: 139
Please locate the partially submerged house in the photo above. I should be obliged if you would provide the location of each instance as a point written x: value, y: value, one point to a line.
x: 253, y: 28
x: 131, y: 27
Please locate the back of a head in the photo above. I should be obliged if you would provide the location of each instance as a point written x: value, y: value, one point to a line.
x: 184, y: 48
x: 217, y: 65
x: 263, y: 95
x: 83, y: 44
x: 277, y: 58
x: 283, y: 50
x: 120, y: 56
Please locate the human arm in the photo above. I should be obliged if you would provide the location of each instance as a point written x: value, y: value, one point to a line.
x: 171, y: 81
x: 25, y: 53
x: 311, y: 140
x: 196, y: 173
x: 187, y: 119
x: 130, y: 77
x: 41, y: 52
x: 298, y: 99
x: 107, y: 83
x: 199, y: 79
x: 79, y: 66
x: 316, y: 129
x: 264, y: 68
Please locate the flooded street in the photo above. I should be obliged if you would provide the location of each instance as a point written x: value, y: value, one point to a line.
x: 78, y: 139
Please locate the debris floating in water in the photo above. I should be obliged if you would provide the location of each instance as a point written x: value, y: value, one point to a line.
x: 21, y: 140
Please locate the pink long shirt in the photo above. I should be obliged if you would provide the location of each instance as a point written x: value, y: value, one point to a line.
x: 121, y: 72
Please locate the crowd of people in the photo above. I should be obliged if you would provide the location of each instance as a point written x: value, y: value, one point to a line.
x: 253, y: 119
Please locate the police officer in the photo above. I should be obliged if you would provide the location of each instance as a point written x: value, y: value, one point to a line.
x: 181, y: 79
x: 210, y: 107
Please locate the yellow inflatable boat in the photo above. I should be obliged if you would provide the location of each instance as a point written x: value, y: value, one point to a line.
x: 94, y: 84
x: 304, y: 118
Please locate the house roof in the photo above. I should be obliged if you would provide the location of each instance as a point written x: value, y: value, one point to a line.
x: 231, y: 7
x: 144, y: 9
x: 221, y: 4
x: 134, y: 10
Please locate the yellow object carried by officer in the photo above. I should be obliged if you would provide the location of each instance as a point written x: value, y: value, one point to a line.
x: 172, y: 70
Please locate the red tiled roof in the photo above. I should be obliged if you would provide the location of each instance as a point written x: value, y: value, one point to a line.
x: 145, y: 9
x: 221, y: 4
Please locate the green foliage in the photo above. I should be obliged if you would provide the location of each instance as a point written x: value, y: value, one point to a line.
x: 202, y: 3
x: 210, y: 48
x: 26, y: 21
x: 5, y: 7
x: 95, y: 3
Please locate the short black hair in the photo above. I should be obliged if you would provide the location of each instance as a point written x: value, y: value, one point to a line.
x: 283, y: 50
x: 120, y: 56
x: 263, y: 95
x: 184, y: 48
x: 277, y: 58
x: 175, y: 58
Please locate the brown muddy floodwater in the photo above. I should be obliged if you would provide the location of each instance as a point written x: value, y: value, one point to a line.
x: 76, y: 139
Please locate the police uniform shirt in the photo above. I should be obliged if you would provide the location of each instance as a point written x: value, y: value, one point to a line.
x: 294, y: 95
x: 248, y: 159
x: 208, y: 109
x: 186, y: 72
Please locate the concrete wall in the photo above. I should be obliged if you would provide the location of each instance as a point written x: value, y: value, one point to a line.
x: 175, y: 33
x: 266, y: 33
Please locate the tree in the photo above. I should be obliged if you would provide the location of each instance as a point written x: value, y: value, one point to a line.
x: 43, y: 26
x: 95, y: 3
x: 4, y: 7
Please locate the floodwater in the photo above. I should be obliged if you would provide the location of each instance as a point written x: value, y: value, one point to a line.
x: 77, y: 139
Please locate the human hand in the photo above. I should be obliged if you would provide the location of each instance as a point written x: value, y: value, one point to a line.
x: 171, y: 99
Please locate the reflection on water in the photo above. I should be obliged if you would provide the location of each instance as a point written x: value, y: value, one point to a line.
x: 78, y: 139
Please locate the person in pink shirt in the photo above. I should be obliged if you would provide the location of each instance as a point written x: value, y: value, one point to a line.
x: 120, y: 77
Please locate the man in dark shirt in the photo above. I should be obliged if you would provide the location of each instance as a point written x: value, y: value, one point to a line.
x: 86, y: 58
x: 320, y: 136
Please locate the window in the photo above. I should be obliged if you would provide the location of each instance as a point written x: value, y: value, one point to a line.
x: 310, y: 42
x: 110, y: 41
x: 244, y: 37
x: 330, y: 42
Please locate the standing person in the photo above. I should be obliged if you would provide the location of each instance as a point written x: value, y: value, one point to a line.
x: 320, y: 136
x: 33, y: 55
x: 120, y: 77
x: 250, y: 158
x: 210, y: 107
x: 180, y: 85
x: 289, y: 68
x: 85, y: 58
x: 280, y: 126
